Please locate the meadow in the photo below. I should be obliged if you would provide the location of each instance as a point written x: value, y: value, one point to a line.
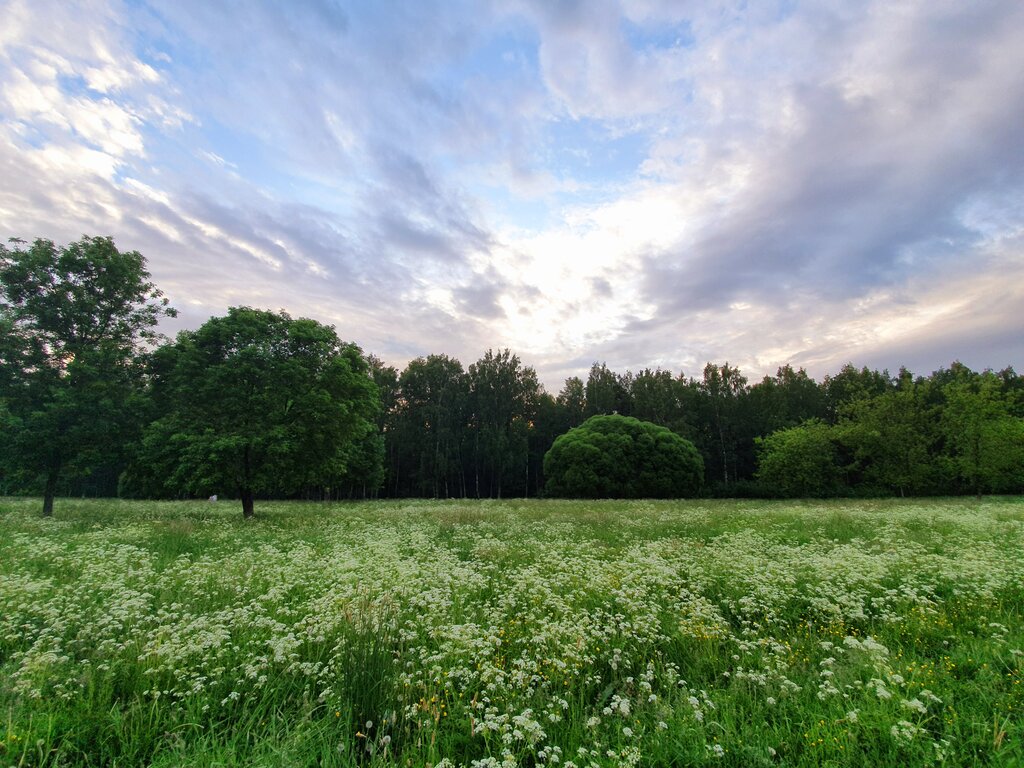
x: 720, y: 633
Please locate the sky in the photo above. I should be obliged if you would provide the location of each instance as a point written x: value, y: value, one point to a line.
x: 640, y: 183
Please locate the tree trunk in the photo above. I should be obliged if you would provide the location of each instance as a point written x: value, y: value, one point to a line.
x: 977, y: 466
x: 247, y: 503
x: 50, y: 490
x: 246, y: 490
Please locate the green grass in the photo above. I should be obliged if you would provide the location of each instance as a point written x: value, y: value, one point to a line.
x: 519, y: 632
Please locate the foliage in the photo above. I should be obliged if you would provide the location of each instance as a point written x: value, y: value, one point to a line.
x: 467, y: 634
x: 435, y: 400
x: 660, y: 398
x: 800, y: 461
x: 894, y: 440
x: 849, y: 386
x: 986, y: 441
x: 74, y: 395
x: 718, y: 399
x: 622, y: 457
x: 259, y: 403
x: 73, y: 321
x: 572, y: 401
x: 785, y: 400
x: 503, y: 400
x: 606, y: 392
x: 891, y: 433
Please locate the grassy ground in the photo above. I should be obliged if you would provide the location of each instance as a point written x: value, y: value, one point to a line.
x: 513, y: 633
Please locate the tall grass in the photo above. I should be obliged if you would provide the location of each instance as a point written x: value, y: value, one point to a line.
x: 513, y: 633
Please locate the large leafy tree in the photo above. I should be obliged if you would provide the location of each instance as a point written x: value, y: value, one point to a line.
x: 432, y: 424
x: 985, y: 440
x: 73, y: 321
x: 257, y: 402
x: 893, y: 439
x: 720, y: 397
x: 607, y: 392
x: 503, y: 401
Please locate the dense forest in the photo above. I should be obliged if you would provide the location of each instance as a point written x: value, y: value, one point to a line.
x: 256, y: 404
x: 484, y: 431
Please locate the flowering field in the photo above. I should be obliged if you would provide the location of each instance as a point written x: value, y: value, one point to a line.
x: 513, y: 633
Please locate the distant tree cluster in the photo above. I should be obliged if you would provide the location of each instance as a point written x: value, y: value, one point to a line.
x: 955, y: 432
x: 258, y: 404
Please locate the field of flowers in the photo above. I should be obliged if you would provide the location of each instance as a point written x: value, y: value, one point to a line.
x: 513, y: 633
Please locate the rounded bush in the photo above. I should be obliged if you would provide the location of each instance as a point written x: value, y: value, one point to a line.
x: 619, y: 457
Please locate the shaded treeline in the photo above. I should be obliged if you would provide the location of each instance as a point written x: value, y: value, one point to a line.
x: 93, y: 403
x: 483, y: 431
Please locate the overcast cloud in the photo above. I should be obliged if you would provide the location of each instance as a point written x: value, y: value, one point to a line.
x: 639, y: 182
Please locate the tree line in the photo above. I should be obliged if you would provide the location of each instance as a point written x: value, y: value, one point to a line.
x: 857, y: 432
x: 258, y: 404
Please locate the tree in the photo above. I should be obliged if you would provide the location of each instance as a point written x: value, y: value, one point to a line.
x: 851, y: 385
x: 503, y: 400
x: 785, y: 400
x: 386, y: 379
x: 606, y: 392
x: 551, y: 419
x: 800, y: 461
x: 893, y: 438
x: 657, y: 397
x: 622, y: 457
x: 73, y: 322
x: 260, y: 403
x: 573, y: 400
x: 721, y: 394
x: 984, y: 439
x: 432, y: 424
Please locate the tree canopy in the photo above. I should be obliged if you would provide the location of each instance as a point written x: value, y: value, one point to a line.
x: 622, y: 457
x: 800, y: 461
x: 985, y: 440
x: 257, y: 402
x: 73, y: 322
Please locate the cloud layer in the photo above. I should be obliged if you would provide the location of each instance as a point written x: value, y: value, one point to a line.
x: 639, y: 182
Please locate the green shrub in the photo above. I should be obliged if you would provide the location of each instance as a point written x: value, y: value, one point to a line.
x: 799, y: 461
x: 622, y: 457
